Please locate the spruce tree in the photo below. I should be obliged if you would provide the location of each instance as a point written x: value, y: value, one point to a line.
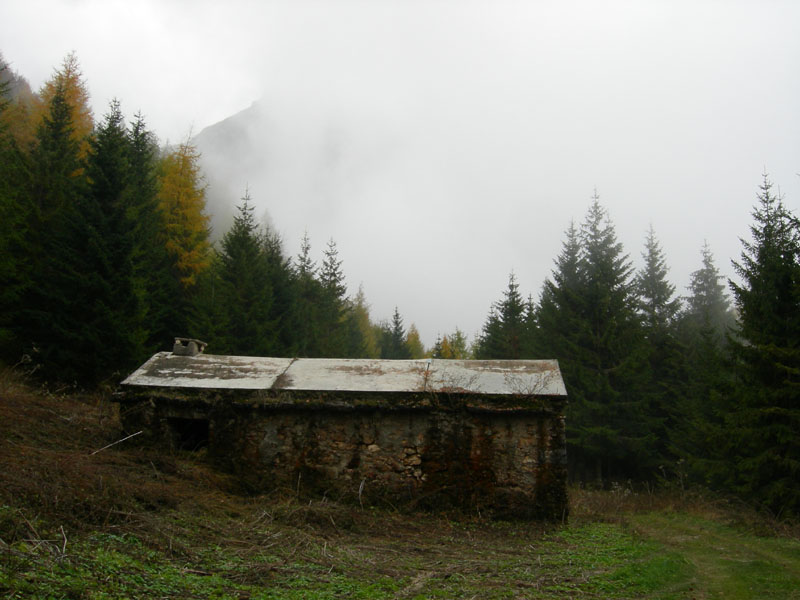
x: 114, y: 330
x: 587, y: 319
x: 765, y: 448
x: 14, y: 266
x: 659, y: 308
x: 708, y: 310
x: 699, y: 436
x: 246, y: 289
x: 283, y: 299
x: 393, y: 342
x: 438, y: 347
x: 611, y: 427
x: 657, y: 301
x: 208, y: 318
x: 153, y: 278
x: 560, y: 311
x: 332, y: 306
x: 102, y: 325
x: 57, y: 184
x: 305, y: 314
x: 504, y: 335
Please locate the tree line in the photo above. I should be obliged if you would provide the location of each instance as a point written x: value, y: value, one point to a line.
x: 664, y: 386
x: 105, y: 255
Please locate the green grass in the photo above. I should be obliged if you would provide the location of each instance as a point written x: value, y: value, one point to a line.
x: 664, y: 555
x: 729, y: 562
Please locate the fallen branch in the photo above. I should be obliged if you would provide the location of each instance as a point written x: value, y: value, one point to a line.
x: 115, y: 443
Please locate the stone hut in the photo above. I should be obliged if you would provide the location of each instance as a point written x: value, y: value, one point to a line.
x: 478, y: 435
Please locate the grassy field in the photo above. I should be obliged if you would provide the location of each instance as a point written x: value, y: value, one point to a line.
x: 134, y: 521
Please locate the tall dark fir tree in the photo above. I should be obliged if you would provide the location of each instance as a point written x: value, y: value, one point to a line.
x: 305, y: 311
x: 659, y: 308
x: 108, y: 328
x: 611, y: 427
x: 505, y: 334
x: 15, y: 274
x: 332, y: 307
x: 153, y: 277
x: 700, y: 436
x: 764, y: 423
x: 246, y: 288
x: 56, y: 186
x: 393, y: 339
x: 587, y: 318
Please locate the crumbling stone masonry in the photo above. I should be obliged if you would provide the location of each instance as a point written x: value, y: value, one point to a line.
x: 478, y: 435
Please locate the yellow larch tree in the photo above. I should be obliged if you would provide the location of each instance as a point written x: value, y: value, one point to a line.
x: 19, y: 103
x: 70, y: 77
x: 182, y: 201
x: 447, y: 350
x: 414, y: 343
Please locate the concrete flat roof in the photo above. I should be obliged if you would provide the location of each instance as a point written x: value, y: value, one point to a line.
x: 491, y: 377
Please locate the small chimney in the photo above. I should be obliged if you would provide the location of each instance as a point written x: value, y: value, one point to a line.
x: 188, y: 347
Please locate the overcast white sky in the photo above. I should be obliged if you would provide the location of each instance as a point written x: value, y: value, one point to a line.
x: 443, y: 144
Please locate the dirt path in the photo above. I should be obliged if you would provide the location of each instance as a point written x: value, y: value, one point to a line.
x: 728, y: 563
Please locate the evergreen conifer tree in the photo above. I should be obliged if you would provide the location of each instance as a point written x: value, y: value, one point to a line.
x: 587, y: 319
x: 504, y: 334
x: 332, y: 307
x: 153, y: 277
x: 708, y: 310
x: 305, y: 314
x: 610, y: 427
x: 281, y: 279
x: 57, y: 184
x: 659, y: 308
x: 208, y: 319
x: 764, y: 423
x: 246, y: 290
x: 700, y: 435
x: 14, y: 267
x: 112, y: 331
x: 393, y: 342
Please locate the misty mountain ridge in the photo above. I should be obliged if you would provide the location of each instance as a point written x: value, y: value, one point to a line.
x: 228, y: 162
x: 295, y: 166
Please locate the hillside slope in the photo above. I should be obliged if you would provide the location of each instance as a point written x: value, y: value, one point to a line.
x: 135, y: 521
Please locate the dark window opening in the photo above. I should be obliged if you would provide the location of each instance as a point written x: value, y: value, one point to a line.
x: 189, y: 434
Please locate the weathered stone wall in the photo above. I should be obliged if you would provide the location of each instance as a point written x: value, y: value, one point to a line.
x: 509, y: 462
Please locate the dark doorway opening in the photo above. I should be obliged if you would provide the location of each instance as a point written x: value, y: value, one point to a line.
x: 189, y: 434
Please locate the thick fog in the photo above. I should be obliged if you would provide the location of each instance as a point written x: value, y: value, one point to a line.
x: 443, y: 145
